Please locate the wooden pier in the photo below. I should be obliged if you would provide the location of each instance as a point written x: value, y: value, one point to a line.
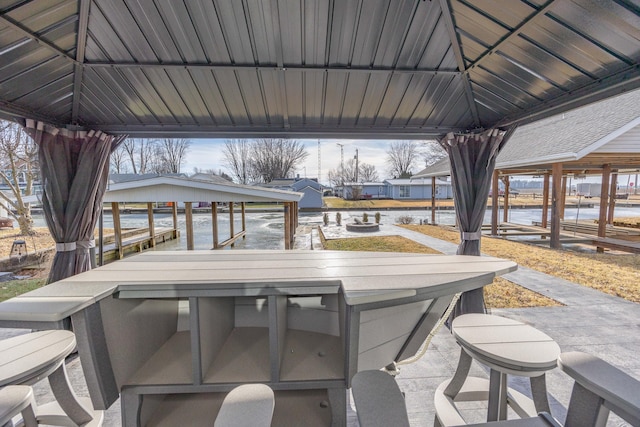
x: 134, y: 241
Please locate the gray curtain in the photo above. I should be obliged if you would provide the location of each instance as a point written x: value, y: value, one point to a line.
x: 74, y: 168
x: 473, y: 159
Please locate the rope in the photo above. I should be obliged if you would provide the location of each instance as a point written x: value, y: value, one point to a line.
x: 393, y: 368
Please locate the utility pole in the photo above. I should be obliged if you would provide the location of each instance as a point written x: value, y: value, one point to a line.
x: 356, y: 157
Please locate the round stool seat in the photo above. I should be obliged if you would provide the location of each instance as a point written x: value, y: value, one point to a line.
x: 16, y: 399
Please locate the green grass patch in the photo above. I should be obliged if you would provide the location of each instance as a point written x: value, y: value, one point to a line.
x: 13, y: 288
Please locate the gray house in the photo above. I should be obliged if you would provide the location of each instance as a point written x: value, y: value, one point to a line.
x: 416, y: 189
x: 310, y: 187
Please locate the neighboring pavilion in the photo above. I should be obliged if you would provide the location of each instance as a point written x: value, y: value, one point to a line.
x: 599, y: 139
x: 174, y: 189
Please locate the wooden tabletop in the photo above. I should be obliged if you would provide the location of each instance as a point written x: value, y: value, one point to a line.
x: 24, y: 359
x: 364, y: 277
x: 506, y: 344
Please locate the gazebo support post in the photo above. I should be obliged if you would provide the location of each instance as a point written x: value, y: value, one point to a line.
x: 612, y: 197
x: 556, y: 204
x: 507, y: 187
x: 494, y: 202
x: 287, y: 226
x: 545, y: 200
x: 604, y: 197
x: 433, y: 200
x: 563, y: 197
x: 214, y: 223
x: 174, y: 213
x: 117, y: 230
x: 188, y: 211
x: 244, y: 222
x: 152, y: 231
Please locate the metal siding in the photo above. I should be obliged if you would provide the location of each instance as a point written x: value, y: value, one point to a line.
x: 628, y: 142
x: 571, y: 47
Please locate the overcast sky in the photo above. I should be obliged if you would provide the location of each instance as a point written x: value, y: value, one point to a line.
x: 207, y: 154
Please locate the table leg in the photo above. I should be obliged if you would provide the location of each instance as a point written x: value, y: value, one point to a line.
x: 462, y: 371
x: 539, y: 393
x: 66, y: 398
x: 497, y: 409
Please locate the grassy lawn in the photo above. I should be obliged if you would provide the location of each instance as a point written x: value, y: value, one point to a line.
x: 500, y: 294
x: 13, y: 288
x: 615, y: 274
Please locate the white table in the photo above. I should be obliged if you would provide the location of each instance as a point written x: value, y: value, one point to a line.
x: 27, y: 359
x: 303, y: 322
x: 506, y: 346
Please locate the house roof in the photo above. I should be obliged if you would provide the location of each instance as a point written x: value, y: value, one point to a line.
x: 578, y: 139
x: 175, y: 189
x: 324, y: 68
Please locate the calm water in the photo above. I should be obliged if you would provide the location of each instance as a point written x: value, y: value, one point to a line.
x: 265, y: 230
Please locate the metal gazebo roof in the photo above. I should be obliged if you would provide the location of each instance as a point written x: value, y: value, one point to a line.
x: 314, y: 68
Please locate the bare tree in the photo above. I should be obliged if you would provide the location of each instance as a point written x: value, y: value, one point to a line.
x: 401, y: 158
x: 432, y: 152
x: 118, y: 160
x: 276, y: 158
x: 171, y: 153
x: 367, y: 173
x: 140, y: 153
x: 237, y: 157
x: 18, y: 171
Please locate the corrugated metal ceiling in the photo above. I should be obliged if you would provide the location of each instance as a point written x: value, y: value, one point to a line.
x: 316, y: 68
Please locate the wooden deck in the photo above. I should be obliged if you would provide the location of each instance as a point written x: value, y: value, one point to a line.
x: 135, y: 240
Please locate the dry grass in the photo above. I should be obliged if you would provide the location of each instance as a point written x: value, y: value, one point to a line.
x: 500, y: 294
x: 38, y: 241
x: 614, y: 274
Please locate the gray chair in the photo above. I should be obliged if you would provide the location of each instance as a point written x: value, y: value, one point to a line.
x: 599, y: 389
x: 248, y: 405
x: 378, y: 400
x: 14, y: 400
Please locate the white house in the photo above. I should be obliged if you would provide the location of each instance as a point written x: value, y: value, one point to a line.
x: 416, y: 189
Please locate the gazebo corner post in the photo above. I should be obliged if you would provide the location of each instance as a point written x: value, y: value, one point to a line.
x: 472, y: 158
x: 556, y: 204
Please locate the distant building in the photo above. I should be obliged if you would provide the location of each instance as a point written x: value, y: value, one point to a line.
x: 310, y: 187
x: 417, y: 189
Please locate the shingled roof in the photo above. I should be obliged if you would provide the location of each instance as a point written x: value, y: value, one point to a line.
x: 580, y: 134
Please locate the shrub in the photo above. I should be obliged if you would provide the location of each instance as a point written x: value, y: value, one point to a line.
x: 338, y: 218
x: 325, y: 219
x: 365, y: 217
x: 378, y: 217
x: 405, y: 219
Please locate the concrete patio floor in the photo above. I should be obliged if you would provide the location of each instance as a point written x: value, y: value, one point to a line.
x: 590, y: 321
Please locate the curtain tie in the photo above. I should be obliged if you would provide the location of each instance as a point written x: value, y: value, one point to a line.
x: 86, y: 244
x: 66, y: 247
x: 468, y: 235
x: 72, y: 246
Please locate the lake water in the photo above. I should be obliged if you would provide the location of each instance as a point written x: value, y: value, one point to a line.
x: 265, y: 229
